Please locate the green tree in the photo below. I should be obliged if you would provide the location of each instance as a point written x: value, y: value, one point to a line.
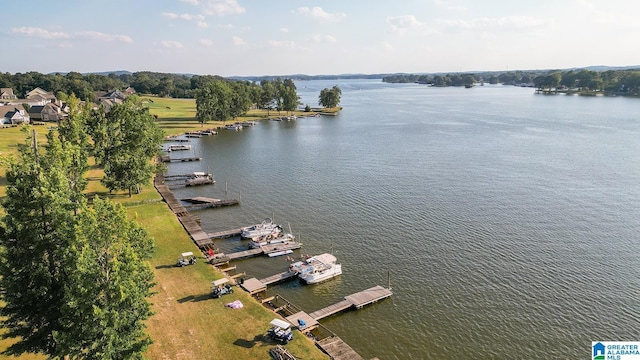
x: 268, y: 96
x: 240, y: 100
x: 289, y: 95
x: 110, y: 286
x: 36, y: 236
x: 330, y: 98
x: 213, y: 102
x: 73, y: 133
x: 126, y: 140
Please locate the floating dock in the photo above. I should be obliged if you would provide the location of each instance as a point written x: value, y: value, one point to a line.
x: 185, y: 159
x: 205, y: 202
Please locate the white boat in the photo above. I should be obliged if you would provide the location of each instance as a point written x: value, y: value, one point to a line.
x: 199, y: 178
x: 280, y: 253
x: 179, y: 147
x: 235, y: 126
x: 267, y: 227
x: 248, y: 123
x: 317, y: 268
x: 272, y: 239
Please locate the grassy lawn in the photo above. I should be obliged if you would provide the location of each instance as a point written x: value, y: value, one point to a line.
x: 187, y: 323
x: 177, y: 116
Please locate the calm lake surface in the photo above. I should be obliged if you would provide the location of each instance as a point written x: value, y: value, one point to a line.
x: 508, y: 220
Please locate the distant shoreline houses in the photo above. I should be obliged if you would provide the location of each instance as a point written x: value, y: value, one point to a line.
x: 42, y: 106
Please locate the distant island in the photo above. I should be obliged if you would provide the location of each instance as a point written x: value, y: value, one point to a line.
x: 586, y: 81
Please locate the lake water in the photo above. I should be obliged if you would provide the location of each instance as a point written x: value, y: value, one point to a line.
x: 508, y: 220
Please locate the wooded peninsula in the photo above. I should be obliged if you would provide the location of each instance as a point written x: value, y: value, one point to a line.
x: 605, y: 81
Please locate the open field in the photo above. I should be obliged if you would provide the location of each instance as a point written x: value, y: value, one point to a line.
x: 178, y: 116
x: 187, y: 323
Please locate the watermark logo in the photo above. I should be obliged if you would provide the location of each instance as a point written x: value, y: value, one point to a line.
x: 615, y: 350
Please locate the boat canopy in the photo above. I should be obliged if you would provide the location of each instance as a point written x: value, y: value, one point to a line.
x: 199, y: 173
x: 326, y: 258
x: 187, y: 254
x: 280, y: 323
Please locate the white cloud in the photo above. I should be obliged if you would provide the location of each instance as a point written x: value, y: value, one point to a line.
x: 87, y: 35
x: 98, y: 36
x: 192, y: 2
x: 206, y: 42
x: 317, y: 13
x: 202, y: 25
x: 188, y: 17
x: 171, y: 44
x: 403, y: 23
x: 324, y: 38
x: 238, y: 41
x: 226, y: 26
x: 282, y: 43
x: 284, y: 30
x: 221, y: 7
x: 508, y: 23
x: 39, y: 33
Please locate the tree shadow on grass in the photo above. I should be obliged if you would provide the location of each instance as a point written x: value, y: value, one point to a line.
x: 260, y: 340
x: 166, y: 266
x: 194, y: 298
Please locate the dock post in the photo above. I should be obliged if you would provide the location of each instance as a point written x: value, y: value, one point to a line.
x: 225, y: 186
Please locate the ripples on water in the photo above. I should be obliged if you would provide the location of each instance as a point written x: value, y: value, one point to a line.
x: 508, y: 220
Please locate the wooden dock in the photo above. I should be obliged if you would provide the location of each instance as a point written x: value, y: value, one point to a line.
x: 283, y: 276
x: 225, y: 234
x: 266, y: 249
x: 176, y: 140
x: 205, y: 202
x: 254, y: 286
x: 337, y: 349
x: 188, y: 221
x: 167, y: 159
x: 357, y: 300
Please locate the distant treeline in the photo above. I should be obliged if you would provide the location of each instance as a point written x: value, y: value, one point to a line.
x: 84, y: 86
x: 622, y: 82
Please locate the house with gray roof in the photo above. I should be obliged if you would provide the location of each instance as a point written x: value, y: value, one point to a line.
x: 13, y: 114
x: 47, y: 112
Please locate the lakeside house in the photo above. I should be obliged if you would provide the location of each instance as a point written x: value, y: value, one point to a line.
x: 52, y: 111
x: 13, y: 114
x: 7, y: 94
x: 40, y: 95
x: 109, y: 99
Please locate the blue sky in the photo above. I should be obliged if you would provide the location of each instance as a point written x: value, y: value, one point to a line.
x: 279, y: 37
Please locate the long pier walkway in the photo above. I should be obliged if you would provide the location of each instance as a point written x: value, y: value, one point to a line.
x: 188, y: 221
x: 357, y: 300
